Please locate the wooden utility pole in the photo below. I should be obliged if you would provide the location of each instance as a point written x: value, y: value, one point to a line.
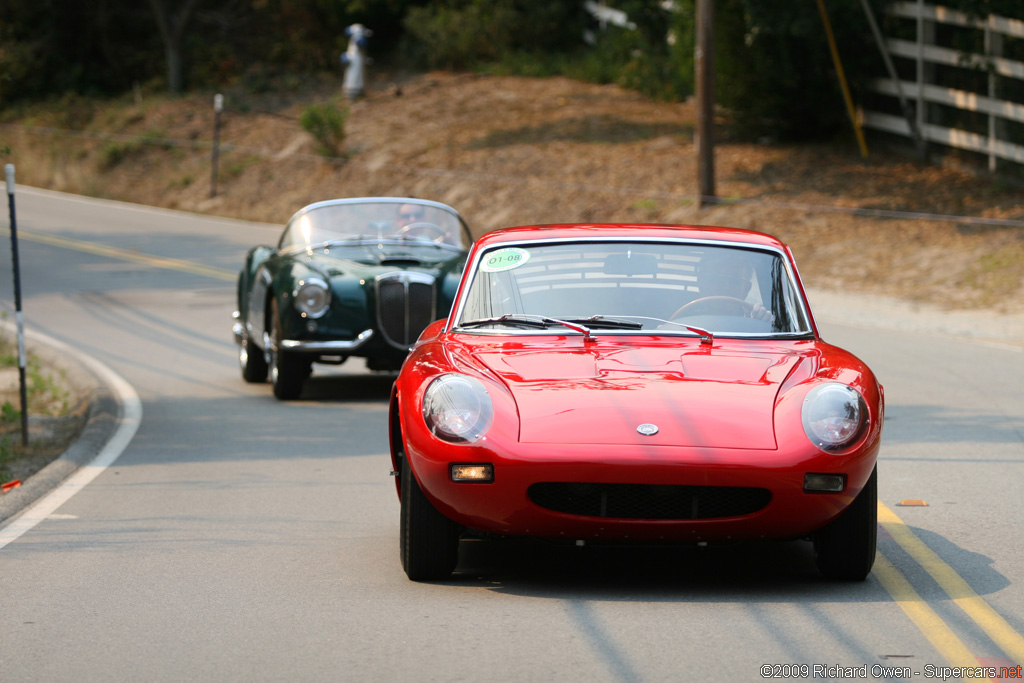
x: 705, y: 65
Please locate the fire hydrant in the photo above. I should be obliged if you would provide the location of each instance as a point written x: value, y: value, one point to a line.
x: 354, y: 60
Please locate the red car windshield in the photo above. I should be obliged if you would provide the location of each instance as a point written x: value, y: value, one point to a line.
x: 665, y: 286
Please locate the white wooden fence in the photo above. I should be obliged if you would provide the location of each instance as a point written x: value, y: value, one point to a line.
x: 1003, y: 141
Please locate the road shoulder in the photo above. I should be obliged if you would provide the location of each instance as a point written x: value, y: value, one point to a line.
x: 102, y: 414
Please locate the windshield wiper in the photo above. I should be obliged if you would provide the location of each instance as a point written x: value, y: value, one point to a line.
x: 529, y: 320
x: 706, y: 336
x: 510, y: 319
x: 607, y: 322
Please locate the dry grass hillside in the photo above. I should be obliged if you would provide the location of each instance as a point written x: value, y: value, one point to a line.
x: 512, y: 151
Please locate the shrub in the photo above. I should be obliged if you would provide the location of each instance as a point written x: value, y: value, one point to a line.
x: 459, y: 37
x: 461, y: 34
x: 326, y: 123
x: 113, y: 153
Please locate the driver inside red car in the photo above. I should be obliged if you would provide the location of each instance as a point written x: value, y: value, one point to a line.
x: 729, y: 273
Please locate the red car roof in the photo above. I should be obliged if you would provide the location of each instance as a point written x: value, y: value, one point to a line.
x: 629, y: 230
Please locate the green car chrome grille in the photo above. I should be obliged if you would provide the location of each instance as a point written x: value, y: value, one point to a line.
x: 406, y: 304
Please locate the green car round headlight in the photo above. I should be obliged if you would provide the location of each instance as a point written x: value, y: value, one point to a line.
x: 312, y: 298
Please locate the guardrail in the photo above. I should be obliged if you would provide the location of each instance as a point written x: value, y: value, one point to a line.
x: 962, y: 97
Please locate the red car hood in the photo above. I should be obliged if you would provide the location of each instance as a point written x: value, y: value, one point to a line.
x: 715, y: 398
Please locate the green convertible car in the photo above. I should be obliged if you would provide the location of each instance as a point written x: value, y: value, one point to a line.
x: 349, y: 277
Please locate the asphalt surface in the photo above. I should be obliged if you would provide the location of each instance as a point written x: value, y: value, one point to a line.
x: 228, y: 536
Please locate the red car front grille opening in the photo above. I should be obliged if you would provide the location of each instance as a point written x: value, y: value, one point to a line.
x: 649, y: 501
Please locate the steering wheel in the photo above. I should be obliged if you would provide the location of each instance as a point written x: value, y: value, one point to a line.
x: 438, y: 235
x: 714, y: 304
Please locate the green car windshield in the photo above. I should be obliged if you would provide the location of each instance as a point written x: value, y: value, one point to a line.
x: 633, y: 288
x: 409, y: 222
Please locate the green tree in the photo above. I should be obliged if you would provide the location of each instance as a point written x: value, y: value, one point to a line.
x: 50, y: 47
x: 982, y: 8
x: 655, y: 55
x: 774, y: 69
x: 463, y: 33
x: 172, y: 22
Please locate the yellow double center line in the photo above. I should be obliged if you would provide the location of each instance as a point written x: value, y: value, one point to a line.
x: 129, y: 255
x: 923, y: 616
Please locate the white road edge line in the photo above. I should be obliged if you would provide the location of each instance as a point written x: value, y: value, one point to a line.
x: 128, y: 423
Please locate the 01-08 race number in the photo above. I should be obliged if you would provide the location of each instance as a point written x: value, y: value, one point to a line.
x: 504, y: 259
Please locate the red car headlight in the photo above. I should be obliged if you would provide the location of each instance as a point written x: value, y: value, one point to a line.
x: 834, y: 416
x: 457, y: 408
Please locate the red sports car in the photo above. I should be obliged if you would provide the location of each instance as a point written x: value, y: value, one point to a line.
x: 629, y: 383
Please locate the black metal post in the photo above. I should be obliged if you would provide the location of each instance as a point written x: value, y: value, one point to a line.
x: 218, y: 106
x: 16, y: 268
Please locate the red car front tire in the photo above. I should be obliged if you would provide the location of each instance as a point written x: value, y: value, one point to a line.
x: 845, y: 549
x: 429, y: 541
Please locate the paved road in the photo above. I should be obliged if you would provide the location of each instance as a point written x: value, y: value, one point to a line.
x: 238, y: 538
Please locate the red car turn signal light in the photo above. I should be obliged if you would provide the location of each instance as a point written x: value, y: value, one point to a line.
x: 481, y: 473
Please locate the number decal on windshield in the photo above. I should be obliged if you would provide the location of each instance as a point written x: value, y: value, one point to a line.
x: 504, y: 259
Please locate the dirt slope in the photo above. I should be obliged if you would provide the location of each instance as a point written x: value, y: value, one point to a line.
x: 512, y: 151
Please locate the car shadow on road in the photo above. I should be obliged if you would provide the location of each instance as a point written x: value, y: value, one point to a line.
x: 537, y: 568
x: 343, y: 388
x: 769, y: 570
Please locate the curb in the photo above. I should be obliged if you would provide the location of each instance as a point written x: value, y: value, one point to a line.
x: 102, y: 420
